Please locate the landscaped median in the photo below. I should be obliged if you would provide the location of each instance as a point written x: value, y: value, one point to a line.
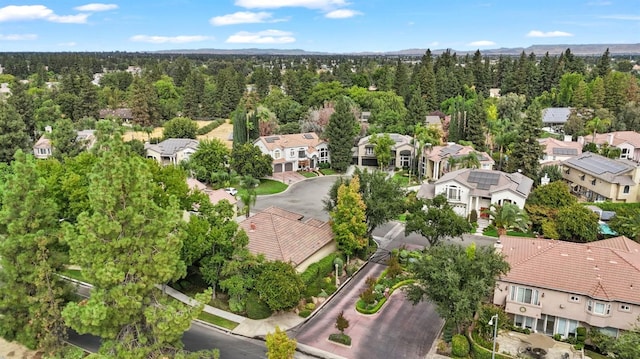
x: 364, y: 308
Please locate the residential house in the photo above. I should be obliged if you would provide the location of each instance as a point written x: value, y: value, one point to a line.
x: 476, y: 189
x: 554, y: 118
x: 5, y: 90
x: 627, y: 141
x: 598, y: 178
x: 557, y: 151
x: 43, y: 148
x: 171, y: 151
x: 494, y: 92
x: 294, y: 152
x: 553, y: 287
x: 124, y: 114
x: 215, y: 196
x: 402, y: 151
x: 433, y: 121
x: 286, y: 236
x: 436, y: 160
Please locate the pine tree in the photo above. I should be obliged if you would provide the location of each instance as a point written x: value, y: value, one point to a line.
x: 126, y: 244
x: 24, y: 105
x: 477, y: 124
x: 13, y: 135
x: 341, y: 131
x: 527, y: 150
x: 193, y: 94
x: 240, y: 130
x: 416, y: 111
x: 31, y: 295
x: 145, y: 106
x: 401, y: 81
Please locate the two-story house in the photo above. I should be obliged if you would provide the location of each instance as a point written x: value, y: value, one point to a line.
x: 294, y: 152
x: 554, y: 118
x: 43, y: 148
x: 627, y: 141
x: 402, y: 151
x: 556, y: 151
x: 598, y: 178
x: 436, y: 160
x: 475, y: 189
x: 553, y: 287
x: 171, y: 151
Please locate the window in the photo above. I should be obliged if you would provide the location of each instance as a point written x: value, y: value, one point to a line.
x: 625, y: 308
x: 302, y: 153
x: 524, y: 295
x: 624, y: 154
x: 593, y: 182
x: 324, y: 155
x: 276, y: 154
x: 582, y: 177
x: 405, y: 160
x: 292, y: 153
x: 598, y: 308
x: 574, y: 298
x: 625, y: 190
x: 453, y: 193
x: 368, y: 151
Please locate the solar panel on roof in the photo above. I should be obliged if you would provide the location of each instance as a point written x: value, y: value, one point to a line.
x: 565, y: 151
x: 451, y: 149
x: 272, y: 139
x: 484, y: 180
x: 599, y: 165
x: 308, y: 136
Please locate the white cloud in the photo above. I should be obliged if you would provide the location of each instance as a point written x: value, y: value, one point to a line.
x: 342, y: 14
x: 274, y: 4
x: 95, y: 7
x: 262, y: 37
x: 241, y: 17
x: 538, y: 33
x: 622, y: 17
x: 18, y: 37
x: 38, y: 12
x: 482, y: 43
x: 67, y: 44
x: 169, y: 39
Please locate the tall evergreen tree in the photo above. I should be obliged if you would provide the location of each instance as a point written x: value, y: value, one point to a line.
x: 24, y: 105
x: 416, y: 111
x: 64, y: 140
x: 477, y: 124
x: 31, y: 294
x: 527, y: 151
x: 240, y: 129
x: 348, y: 220
x: 145, y: 106
x: 341, y: 131
x: 603, y: 65
x: 401, y: 81
x: 193, y: 94
x: 126, y: 244
x: 13, y: 132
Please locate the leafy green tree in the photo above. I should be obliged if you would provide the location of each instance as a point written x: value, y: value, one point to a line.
x: 341, y: 131
x: 47, y: 114
x: 180, y: 127
x: 348, y: 219
x: 279, y: 285
x: 596, y: 125
x: 627, y: 223
x: 24, y: 104
x: 247, y: 159
x: 435, y: 219
x: 248, y: 196
x: 342, y: 323
x: 456, y: 280
x: 168, y: 97
x: 211, y: 156
x: 214, y: 240
x: 324, y: 92
x: 279, y: 346
x: 555, y: 195
x: 576, y: 223
x: 193, y: 94
x: 382, y: 145
x: 126, y: 244
x: 13, y: 135
x: 32, y: 294
x: 508, y: 217
x: 627, y: 345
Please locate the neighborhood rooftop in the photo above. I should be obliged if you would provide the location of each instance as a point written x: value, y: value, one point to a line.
x: 611, y: 170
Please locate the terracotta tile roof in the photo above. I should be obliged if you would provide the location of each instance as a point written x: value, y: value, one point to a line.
x: 215, y: 196
x: 616, y: 138
x: 278, y: 235
x: 309, y: 139
x: 552, y: 147
x: 439, y: 153
x: 607, y: 269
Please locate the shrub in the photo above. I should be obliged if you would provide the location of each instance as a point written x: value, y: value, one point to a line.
x: 340, y: 338
x: 447, y: 331
x: 581, y: 334
x: 368, y: 295
x: 394, y: 268
x: 557, y: 337
x: 310, y: 306
x: 340, y: 263
x: 459, y: 346
x: 304, y: 313
x: 579, y: 346
x: 318, y: 269
x: 256, y: 309
x: 473, y: 216
x: 209, y: 127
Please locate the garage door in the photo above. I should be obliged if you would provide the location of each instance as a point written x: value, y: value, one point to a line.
x: 277, y: 168
x: 288, y: 167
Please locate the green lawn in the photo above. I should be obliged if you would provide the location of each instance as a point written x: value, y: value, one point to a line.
x: 593, y: 355
x: 328, y: 171
x: 492, y: 232
x: 308, y: 174
x: 402, y: 217
x: 266, y: 186
x: 216, y: 320
x: 73, y: 273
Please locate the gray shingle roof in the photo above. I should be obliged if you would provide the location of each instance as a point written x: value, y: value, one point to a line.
x: 555, y: 115
x: 171, y: 146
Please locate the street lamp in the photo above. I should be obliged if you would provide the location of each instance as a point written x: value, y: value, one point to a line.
x: 494, y: 322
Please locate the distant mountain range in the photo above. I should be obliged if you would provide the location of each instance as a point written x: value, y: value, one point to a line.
x: 581, y: 50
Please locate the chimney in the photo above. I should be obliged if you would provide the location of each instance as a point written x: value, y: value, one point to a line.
x: 610, y: 139
x: 567, y: 138
x: 252, y: 227
x: 581, y: 140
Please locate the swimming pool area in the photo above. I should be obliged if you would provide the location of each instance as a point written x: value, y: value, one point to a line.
x: 606, y: 230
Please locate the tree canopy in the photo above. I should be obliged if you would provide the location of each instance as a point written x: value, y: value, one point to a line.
x: 435, y: 219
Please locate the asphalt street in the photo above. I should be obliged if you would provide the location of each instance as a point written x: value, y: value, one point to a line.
x: 304, y: 197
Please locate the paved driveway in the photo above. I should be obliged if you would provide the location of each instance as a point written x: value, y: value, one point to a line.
x: 399, y: 330
x: 303, y: 197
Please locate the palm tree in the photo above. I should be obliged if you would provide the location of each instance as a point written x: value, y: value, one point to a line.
x: 470, y: 160
x: 225, y: 178
x: 596, y: 125
x: 508, y: 217
x: 248, y: 196
x: 627, y: 225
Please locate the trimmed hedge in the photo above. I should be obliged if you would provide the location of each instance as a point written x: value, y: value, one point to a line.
x: 209, y: 127
x: 459, y: 346
x: 362, y: 307
x: 319, y: 269
x: 478, y: 352
x: 304, y: 313
x: 340, y: 338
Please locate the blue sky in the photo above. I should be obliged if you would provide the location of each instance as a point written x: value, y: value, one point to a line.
x: 314, y: 25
